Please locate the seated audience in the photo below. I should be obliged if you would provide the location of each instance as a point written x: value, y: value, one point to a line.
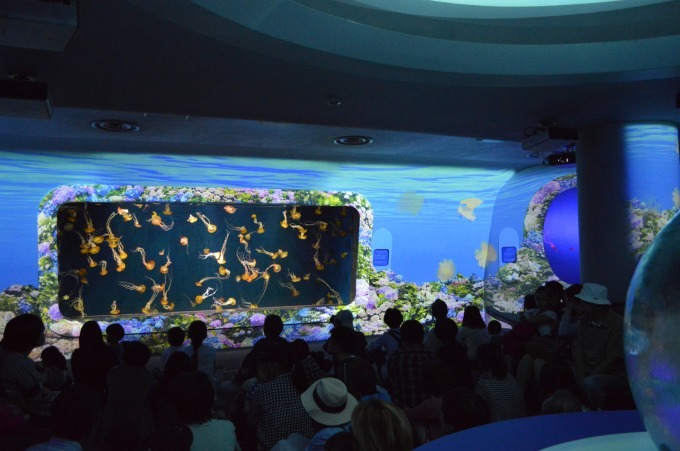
x: 463, y: 409
x: 598, y: 349
x: 562, y: 401
x: 495, y: 330
x: 176, y: 338
x: 344, y: 318
x: 497, y: 386
x: 276, y: 410
x: 73, y: 415
x: 381, y: 349
x: 340, y: 347
x: 54, y: 370
x: 342, y: 441
x: 472, y: 332
x: 364, y: 384
x: 453, y: 354
x: 193, y: 394
x: 440, y: 311
x: 114, y: 336
x: 164, y: 413
x: 307, y: 370
x: 405, y: 367
x: 381, y: 426
x: 202, y: 355
x: 272, y: 327
x: 425, y: 418
x: 129, y: 389
x: 330, y: 406
x: 18, y: 373
x: 92, y: 360
x: 571, y: 313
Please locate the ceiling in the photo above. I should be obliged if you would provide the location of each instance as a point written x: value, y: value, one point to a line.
x: 432, y: 82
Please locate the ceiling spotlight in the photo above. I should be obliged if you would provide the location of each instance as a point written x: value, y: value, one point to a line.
x: 113, y: 125
x: 353, y: 140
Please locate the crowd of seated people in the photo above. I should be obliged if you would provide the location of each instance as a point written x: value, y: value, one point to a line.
x: 413, y: 384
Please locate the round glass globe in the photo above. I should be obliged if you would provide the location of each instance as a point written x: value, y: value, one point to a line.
x: 652, y: 341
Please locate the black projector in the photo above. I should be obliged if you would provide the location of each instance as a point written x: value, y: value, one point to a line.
x: 550, y: 138
x: 21, y: 98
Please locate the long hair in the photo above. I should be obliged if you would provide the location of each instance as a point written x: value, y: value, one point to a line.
x: 472, y: 318
x: 91, y: 336
x: 198, y: 332
x: 380, y: 426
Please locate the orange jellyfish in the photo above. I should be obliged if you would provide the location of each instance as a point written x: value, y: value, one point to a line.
x: 166, y: 210
x: 191, y: 219
x: 166, y: 267
x: 230, y: 209
x: 131, y: 286
x: 78, y: 304
x: 149, y: 265
x: 317, y: 210
x: 120, y: 265
x: 293, y: 291
x: 89, y: 227
x: 91, y: 262
x: 273, y: 255
x: 294, y: 214
x: 212, y: 228
x: 284, y: 223
x: 302, y: 232
x: 224, y: 272
x: 157, y: 221
x: 293, y: 277
x: 125, y: 213
x: 121, y: 251
x: 114, y: 308
x: 167, y: 283
x: 103, y: 271
x: 184, y: 241
x: 282, y: 254
x: 332, y: 294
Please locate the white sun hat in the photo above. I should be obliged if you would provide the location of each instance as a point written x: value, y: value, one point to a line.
x: 328, y: 402
x: 594, y: 293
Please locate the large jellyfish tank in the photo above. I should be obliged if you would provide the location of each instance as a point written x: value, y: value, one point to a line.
x: 652, y: 341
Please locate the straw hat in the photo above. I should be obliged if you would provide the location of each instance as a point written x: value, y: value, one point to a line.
x: 328, y: 402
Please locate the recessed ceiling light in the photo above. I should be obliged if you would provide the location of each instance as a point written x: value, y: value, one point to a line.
x: 114, y: 125
x: 353, y: 140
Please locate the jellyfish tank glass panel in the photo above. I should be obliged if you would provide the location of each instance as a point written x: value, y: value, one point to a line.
x: 146, y: 258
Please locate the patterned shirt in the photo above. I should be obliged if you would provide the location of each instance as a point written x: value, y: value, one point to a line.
x: 504, y: 396
x: 405, y: 370
x: 277, y: 411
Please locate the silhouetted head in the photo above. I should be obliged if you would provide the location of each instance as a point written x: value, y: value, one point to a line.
x: 193, y: 395
x: 176, y: 336
x: 136, y: 353
x: 439, y: 309
x: 412, y: 332
x: 463, y: 409
x: 90, y: 335
x: 494, y: 327
x: 198, y: 332
x: 393, y: 317
x: 472, y: 318
x: 23, y: 333
x: 273, y: 326
x: 114, y: 333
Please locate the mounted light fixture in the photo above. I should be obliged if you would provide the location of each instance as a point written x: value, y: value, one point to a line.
x: 353, y: 140
x: 114, y: 125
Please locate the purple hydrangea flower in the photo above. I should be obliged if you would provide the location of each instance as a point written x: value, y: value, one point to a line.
x: 257, y: 320
x: 54, y: 313
x: 215, y: 324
